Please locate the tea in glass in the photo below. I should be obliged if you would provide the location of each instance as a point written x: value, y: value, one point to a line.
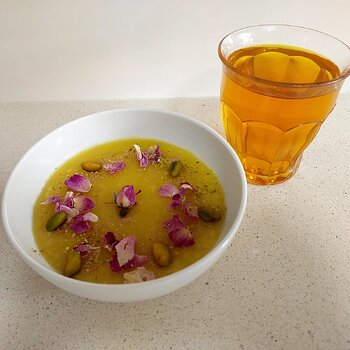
x: 275, y: 97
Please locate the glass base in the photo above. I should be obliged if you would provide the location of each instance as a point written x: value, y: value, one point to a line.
x: 263, y: 180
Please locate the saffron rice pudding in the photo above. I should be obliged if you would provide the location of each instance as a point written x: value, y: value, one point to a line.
x: 128, y: 211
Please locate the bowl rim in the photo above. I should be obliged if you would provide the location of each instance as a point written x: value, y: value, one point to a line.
x: 214, y: 253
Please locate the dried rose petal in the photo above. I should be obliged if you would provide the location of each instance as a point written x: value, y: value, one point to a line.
x: 144, y: 161
x: 114, y: 265
x: 80, y: 223
x: 186, y: 186
x: 126, y: 198
x: 137, y: 151
x: 85, y: 248
x: 136, y: 261
x: 66, y: 205
x: 174, y: 224
x: 90, y: 217
x: 112, y: 168
x: 168, y: 190
x: 141, y: 274
x: 110, y: 241
x: 153, y: 153
x: 78, y: 183
x: 178, y: 233
x: 83, y: 203
x: 125, y: 250
x: 176, y: 194
x: 61, y: 204
x: 191, y: 211
x: 71, y: 212
x: 124, y: 257
x: 71, y: 204
x: 141, y: 156
x: 177, y: 200
x: 157, y: 154
x: 53, y: 199
x: 68, y: 199
x: 182, y: 238
x: 79, y: 226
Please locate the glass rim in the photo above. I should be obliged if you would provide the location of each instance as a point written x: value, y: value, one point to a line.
x: 279, y: 83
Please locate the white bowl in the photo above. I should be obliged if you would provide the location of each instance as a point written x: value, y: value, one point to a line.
x: 36, y: 166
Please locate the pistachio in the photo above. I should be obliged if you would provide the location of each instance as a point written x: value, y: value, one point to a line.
x: 175, y: 168
x: 91, y: 166
x: 209, y: 214
x: 73, y: 264
x: 161, y: 254
x: 55, y: 221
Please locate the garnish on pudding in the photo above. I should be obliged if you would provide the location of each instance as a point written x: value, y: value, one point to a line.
x: 128, y: 211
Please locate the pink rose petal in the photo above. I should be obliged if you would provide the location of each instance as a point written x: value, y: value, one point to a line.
x: 80, y: 223
x: 114, y: 265
x: 124, y: 257
x: 125, y: 250
x: 157, y: 154
x: 176, y: 194
x: 112, y: 168
x: 153, y: 153
x: 178, y: 233
x: 177, y: 200
x: 90, y: 217
x: 84, y: 249
x: 140, y: 274
x: 78, y: 183
x: 136, y: 261
x: 74, y: 205
x: 65, y: 204
x: 68, y: 199
x: 182, y: 237
x: 83, y: 203
x: 141, y: 156
x: 137, y: 151
x: 144, y: 161
x: 126, y: 198
x: 168, y: 190
x: 53, y: 199
x: 174, y: 224
x: 71, y: 212
x: 110, y: 241
x: 186, y: 186
x: 79, y: 226
x: 191, y: 211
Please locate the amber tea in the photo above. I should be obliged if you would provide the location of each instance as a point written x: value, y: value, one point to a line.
x: 270, y: 127
x: 279, y: 84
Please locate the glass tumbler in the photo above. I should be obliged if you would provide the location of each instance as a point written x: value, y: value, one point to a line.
x: 279, y: 84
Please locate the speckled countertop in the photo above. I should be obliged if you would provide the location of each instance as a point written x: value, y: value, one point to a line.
x: 284, y: 283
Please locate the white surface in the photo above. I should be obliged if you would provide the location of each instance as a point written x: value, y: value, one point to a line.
x: 34, y: 169
x: 283, y: 283
x: 53, y: 50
